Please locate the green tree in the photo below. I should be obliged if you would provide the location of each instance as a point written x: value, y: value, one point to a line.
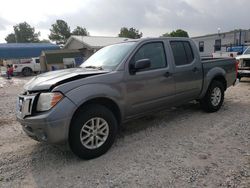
x: 80, y: 31
x: 130, y: 33
x: 177, y: 33
x: 166, y: 35
x: 23, y: 32
x: 11, y: 38
x: 59, y: 32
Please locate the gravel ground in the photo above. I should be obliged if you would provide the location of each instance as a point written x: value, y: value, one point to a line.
x: 180, y: 147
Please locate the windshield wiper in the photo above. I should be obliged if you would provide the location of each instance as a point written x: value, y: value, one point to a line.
x: 94, y: 67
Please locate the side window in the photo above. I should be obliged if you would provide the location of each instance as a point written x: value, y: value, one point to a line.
x: 182, y: 52
x: 217, y: 46
x: 154, y: 52
x: 189, y: 52
x: 37, y: 60
x: 201, y: 46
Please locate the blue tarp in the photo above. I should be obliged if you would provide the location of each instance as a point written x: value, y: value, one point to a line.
x: 24, y: 50
x: 239, y: 49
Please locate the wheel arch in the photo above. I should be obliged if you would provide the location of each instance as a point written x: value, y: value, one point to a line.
x: 213, y: 74
x: 218, y: 77
x: 27, y: 68
x: 222, y: 79
x: 107, y: 102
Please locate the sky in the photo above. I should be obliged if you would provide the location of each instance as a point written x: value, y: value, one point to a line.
x: 105, y: 17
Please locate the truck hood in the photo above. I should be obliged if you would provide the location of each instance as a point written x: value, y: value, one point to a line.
x: 49, y: 80
x: 246, y: 56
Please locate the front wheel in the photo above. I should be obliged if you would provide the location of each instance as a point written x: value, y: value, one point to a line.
x: 214, y: 97
x: 92, y: 131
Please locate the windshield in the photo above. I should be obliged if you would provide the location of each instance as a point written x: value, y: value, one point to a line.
x: 108, y: 58
x: 247, y: 51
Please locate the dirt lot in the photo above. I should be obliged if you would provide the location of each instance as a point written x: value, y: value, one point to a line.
x: 180, y: 147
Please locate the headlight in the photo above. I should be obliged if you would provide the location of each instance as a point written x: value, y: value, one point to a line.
x: 47, y: 100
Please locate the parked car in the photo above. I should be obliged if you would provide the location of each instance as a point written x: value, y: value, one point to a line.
x: 244, y: 64
x: 28, y: 67
x: 86, y: 106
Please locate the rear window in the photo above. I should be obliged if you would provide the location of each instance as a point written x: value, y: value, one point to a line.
x: 182, y: 52
x: 189, y: 52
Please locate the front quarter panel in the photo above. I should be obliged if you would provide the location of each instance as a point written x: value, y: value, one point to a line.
x: 84, y: 93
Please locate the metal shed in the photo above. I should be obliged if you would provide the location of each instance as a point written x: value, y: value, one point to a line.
x: 55, y: 58
x: 88, y: 45
x: 24, y: 50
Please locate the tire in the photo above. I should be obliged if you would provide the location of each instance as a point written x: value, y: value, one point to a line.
x: 27, y: 71
x: 89, y: 148
x: 214, y: 97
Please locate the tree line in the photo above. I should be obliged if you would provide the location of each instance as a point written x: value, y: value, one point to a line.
x: 60, y: 32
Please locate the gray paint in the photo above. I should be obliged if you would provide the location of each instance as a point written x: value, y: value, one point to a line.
x: 135, y: 95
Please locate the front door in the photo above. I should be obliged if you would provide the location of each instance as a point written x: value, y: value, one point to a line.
x: 149, y: 88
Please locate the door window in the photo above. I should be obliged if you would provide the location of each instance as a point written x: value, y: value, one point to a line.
x: 182, y: 52
x: 37, y: 60
x: 155, y: 52
x: 189, y: 52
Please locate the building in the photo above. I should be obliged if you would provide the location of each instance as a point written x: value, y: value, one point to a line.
x: 60, y: 59
x: 219, y: 42
x: 90, y: 44
x: 10, y: 51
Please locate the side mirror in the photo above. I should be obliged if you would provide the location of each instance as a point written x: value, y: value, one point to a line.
x: 142, y: 64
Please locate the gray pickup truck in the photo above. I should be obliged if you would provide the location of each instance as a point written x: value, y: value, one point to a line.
x: 85, y: 106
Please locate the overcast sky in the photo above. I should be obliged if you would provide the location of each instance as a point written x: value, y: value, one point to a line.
x: 106, y: 17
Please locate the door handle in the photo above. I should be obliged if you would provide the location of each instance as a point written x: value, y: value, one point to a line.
x: 195, y: 69
x: 167, y: 74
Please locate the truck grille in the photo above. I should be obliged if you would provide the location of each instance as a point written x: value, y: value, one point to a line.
x: 25, y: 105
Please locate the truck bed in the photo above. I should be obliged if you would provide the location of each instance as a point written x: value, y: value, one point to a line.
x: 212, y: 66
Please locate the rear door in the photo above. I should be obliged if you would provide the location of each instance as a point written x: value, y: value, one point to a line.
x: 188, y: 74
x: 150, y: 88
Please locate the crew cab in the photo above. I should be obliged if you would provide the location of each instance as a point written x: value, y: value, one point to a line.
x: 85, y: 106
x: 26, y: 68
x: 244, y: 64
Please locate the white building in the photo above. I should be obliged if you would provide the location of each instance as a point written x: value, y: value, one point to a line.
x: 219, y: 42
x: 90, y: 44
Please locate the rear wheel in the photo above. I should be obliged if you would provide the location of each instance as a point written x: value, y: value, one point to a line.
x: 214, y: 97
x: 27, y: 71
x: 92, y: 131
